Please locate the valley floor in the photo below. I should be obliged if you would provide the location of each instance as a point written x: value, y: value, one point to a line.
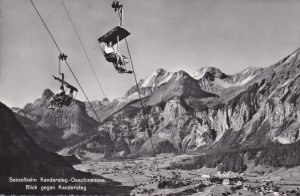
x: 257, y: 180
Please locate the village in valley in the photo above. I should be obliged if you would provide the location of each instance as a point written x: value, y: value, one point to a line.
x: 205, y: 181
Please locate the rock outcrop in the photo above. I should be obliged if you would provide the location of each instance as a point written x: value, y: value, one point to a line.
x: 62, y: 127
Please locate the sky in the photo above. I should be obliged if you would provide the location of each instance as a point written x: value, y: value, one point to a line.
x: 171, y: 34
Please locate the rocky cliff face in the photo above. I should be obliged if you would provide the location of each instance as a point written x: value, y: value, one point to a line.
x: 62, y: 127
x: 210, y: 110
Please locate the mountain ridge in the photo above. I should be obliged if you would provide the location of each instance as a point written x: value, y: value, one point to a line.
x: 241, y: 108
x: 189, y: 114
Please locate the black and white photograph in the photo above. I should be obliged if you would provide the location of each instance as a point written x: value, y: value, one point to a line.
x: 150, y: 97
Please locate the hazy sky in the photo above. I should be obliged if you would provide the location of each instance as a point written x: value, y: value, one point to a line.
x: 169, y: 34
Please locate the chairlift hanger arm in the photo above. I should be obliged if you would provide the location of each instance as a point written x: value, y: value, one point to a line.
x: 66, y: 84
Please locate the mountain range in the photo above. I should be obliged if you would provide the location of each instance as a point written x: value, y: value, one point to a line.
x: 185, y: 113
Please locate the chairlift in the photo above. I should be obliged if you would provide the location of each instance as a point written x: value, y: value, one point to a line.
x: 112, y: 38
x: 61, y: 99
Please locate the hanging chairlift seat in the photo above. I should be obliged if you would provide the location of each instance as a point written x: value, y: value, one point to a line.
x: 114, y: 36
x: 65, y: 100
x: 59, y: 100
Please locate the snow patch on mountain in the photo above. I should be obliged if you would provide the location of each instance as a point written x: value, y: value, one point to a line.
x: 157, y: 78
x: 284, y: 140
x: 69, y: 132
x: 249, y: 69
x: 134, y: 95
x: 166, y: 78
x: 150, y: 80
x: 245, y: 81
x: 200, y: 73
x: 293, y: 57
x: 213, y: 80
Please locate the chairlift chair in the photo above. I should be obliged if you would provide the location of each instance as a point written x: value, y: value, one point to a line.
x: 60, y: 100
x: 111, y: 38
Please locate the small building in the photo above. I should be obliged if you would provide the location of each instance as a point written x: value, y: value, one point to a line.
x: 226, y: 182
x: 206, y: 176
x: 239, y: 183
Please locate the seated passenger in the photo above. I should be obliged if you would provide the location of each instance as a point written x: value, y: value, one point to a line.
x: 54, y: 99
x: 119, y: 61
x: 61, y: 91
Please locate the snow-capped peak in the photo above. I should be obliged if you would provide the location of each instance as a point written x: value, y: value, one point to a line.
x: 211, y: 70
x: 157, y: 78
x: 200, y: 73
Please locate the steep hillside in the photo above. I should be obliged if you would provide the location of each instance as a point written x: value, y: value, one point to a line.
x: 46, y: 138
x: 21, y: 157
x: 17, y: 147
